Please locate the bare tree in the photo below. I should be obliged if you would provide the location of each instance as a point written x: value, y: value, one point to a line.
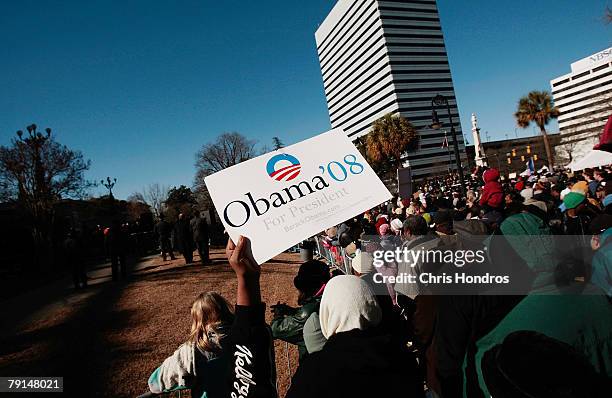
x: 37, y: 171
x: 227, y: 150
x: 155, y: 195
x: 137, y: 206
x: 203, y: 196
x: 263, y: 150
x: 136, y: 197
x: 568, y: 149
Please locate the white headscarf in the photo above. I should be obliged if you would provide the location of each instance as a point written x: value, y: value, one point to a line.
x: 362, y: 262
x: 348, y: 303
x: 527, y: 193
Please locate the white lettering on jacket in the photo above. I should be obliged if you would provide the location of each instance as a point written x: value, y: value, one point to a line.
x: 243, y: 356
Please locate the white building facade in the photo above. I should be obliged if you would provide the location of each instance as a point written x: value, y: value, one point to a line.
x: 381, y: 57
x: 584, y: 99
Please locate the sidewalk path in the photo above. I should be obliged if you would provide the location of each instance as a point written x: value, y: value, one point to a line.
x: 37, y: 304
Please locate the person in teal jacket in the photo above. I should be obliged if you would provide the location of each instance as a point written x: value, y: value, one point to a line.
x: 531, y: 239
x: 601, y: 242
x: 578, y: 315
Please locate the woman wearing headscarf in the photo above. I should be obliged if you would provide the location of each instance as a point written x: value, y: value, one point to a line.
x: 358, y: 360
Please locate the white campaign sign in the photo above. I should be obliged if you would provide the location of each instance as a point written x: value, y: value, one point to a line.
x: 283, y: 197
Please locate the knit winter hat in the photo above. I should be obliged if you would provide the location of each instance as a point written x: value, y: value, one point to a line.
x: 580, y: 187
x: 442, y: 217
x: 384, y: 229
x: 519, y: 186
x: 537, y: 203
x: 363, y: 262
x: 348, y: 303
x: 396, y: 225
x: 311, y: 275
x: 573, y: 199
x: 607, y: 200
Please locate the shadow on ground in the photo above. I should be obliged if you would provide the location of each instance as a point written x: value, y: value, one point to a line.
x: 107, y: 339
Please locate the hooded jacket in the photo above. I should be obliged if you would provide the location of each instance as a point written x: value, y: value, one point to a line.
x: 492, y: 193
x: 191, y: 367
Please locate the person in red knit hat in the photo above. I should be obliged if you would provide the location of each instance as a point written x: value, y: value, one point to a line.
x: 519, y: 186
x: 492, y: 193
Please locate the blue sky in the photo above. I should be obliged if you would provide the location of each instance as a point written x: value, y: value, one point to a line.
x: 139, y: 86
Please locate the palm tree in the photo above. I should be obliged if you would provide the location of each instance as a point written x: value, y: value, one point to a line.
x: 391, y: 136
x: 538, y: 107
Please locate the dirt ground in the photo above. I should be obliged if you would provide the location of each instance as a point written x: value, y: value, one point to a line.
x: 107, y: 339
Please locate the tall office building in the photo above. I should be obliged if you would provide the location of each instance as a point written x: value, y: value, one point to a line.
x: 584, y: 98
x: 381, y: 57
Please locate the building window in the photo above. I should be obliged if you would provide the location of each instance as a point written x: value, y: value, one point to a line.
x: 561, y: 82
x: 601, y: 67
x: 583, y: 74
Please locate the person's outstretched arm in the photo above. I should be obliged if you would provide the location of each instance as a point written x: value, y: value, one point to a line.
x: 253, y: 372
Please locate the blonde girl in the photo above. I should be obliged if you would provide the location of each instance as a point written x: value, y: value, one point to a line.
x: 200, y: 363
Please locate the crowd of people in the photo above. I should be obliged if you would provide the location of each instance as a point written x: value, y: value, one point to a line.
x: 185, y: 236
x: 360, y: 337
x: 82, y: 245
x: 120, y: 239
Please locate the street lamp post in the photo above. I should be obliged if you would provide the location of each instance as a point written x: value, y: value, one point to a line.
x: 41, y: 208
x: 109, y: 184
x: 448, y: 151
x: 440, y: 100
x: 35, y: 141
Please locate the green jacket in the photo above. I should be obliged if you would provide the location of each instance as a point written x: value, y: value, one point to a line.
x: 290, y: 328
x: 531, y: 239
x: 582, y: 321
x: 602, y: 264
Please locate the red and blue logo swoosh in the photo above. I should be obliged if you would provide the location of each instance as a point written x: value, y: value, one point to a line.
x: 288, y: 169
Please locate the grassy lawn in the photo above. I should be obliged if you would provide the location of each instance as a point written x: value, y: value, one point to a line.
x: 107, y: 339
